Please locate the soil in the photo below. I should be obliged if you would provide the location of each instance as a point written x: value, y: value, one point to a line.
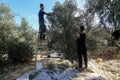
x: 14, y: 71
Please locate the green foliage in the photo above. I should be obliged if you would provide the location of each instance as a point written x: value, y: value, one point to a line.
x: 6, y: 30
x: 63, y: 29
x: 95, y: 37
x: 107, y: 10
x: 19, y: 51
x: 26, y: 33
x: 64, y: 26
x: 16, y: 43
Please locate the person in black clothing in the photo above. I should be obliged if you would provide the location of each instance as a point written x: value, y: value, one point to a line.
x: 116, y: 34
x: 81, y: 47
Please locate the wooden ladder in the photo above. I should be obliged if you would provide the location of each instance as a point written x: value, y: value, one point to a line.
x: 42, y: 51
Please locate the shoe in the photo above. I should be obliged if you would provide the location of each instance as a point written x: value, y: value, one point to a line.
x: 44, y: 39
x: 79, y: 69
x: 41, y: 39
x: 86, y: 69
x: 86, y: 66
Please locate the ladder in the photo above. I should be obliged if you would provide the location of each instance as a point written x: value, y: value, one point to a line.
x: 41, y: 50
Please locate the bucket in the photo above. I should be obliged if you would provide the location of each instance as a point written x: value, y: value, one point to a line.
x: 105, y: 42
x: 38, y: 65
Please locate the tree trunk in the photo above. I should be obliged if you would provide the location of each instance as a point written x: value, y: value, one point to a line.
x: 114, y: 22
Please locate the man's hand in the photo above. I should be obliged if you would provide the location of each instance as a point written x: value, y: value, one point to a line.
x: 50, y: 14
x: 77, y: 35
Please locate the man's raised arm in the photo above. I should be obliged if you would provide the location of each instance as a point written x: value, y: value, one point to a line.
x: 49, y: 14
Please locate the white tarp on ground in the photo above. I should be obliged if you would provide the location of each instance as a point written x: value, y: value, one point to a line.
x: 99, y: 72
x: 68, y: 74
x: 25, y: 76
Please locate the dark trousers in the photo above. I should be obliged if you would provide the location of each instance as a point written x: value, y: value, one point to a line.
x: 82, y: 54
x: 42, y: 30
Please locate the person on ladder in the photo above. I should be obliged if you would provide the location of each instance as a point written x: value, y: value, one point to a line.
x: 42, y: 27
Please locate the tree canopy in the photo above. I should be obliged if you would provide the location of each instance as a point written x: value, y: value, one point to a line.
x: 107, y: 10
x: 16, y: 41
x: 63, y: 28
